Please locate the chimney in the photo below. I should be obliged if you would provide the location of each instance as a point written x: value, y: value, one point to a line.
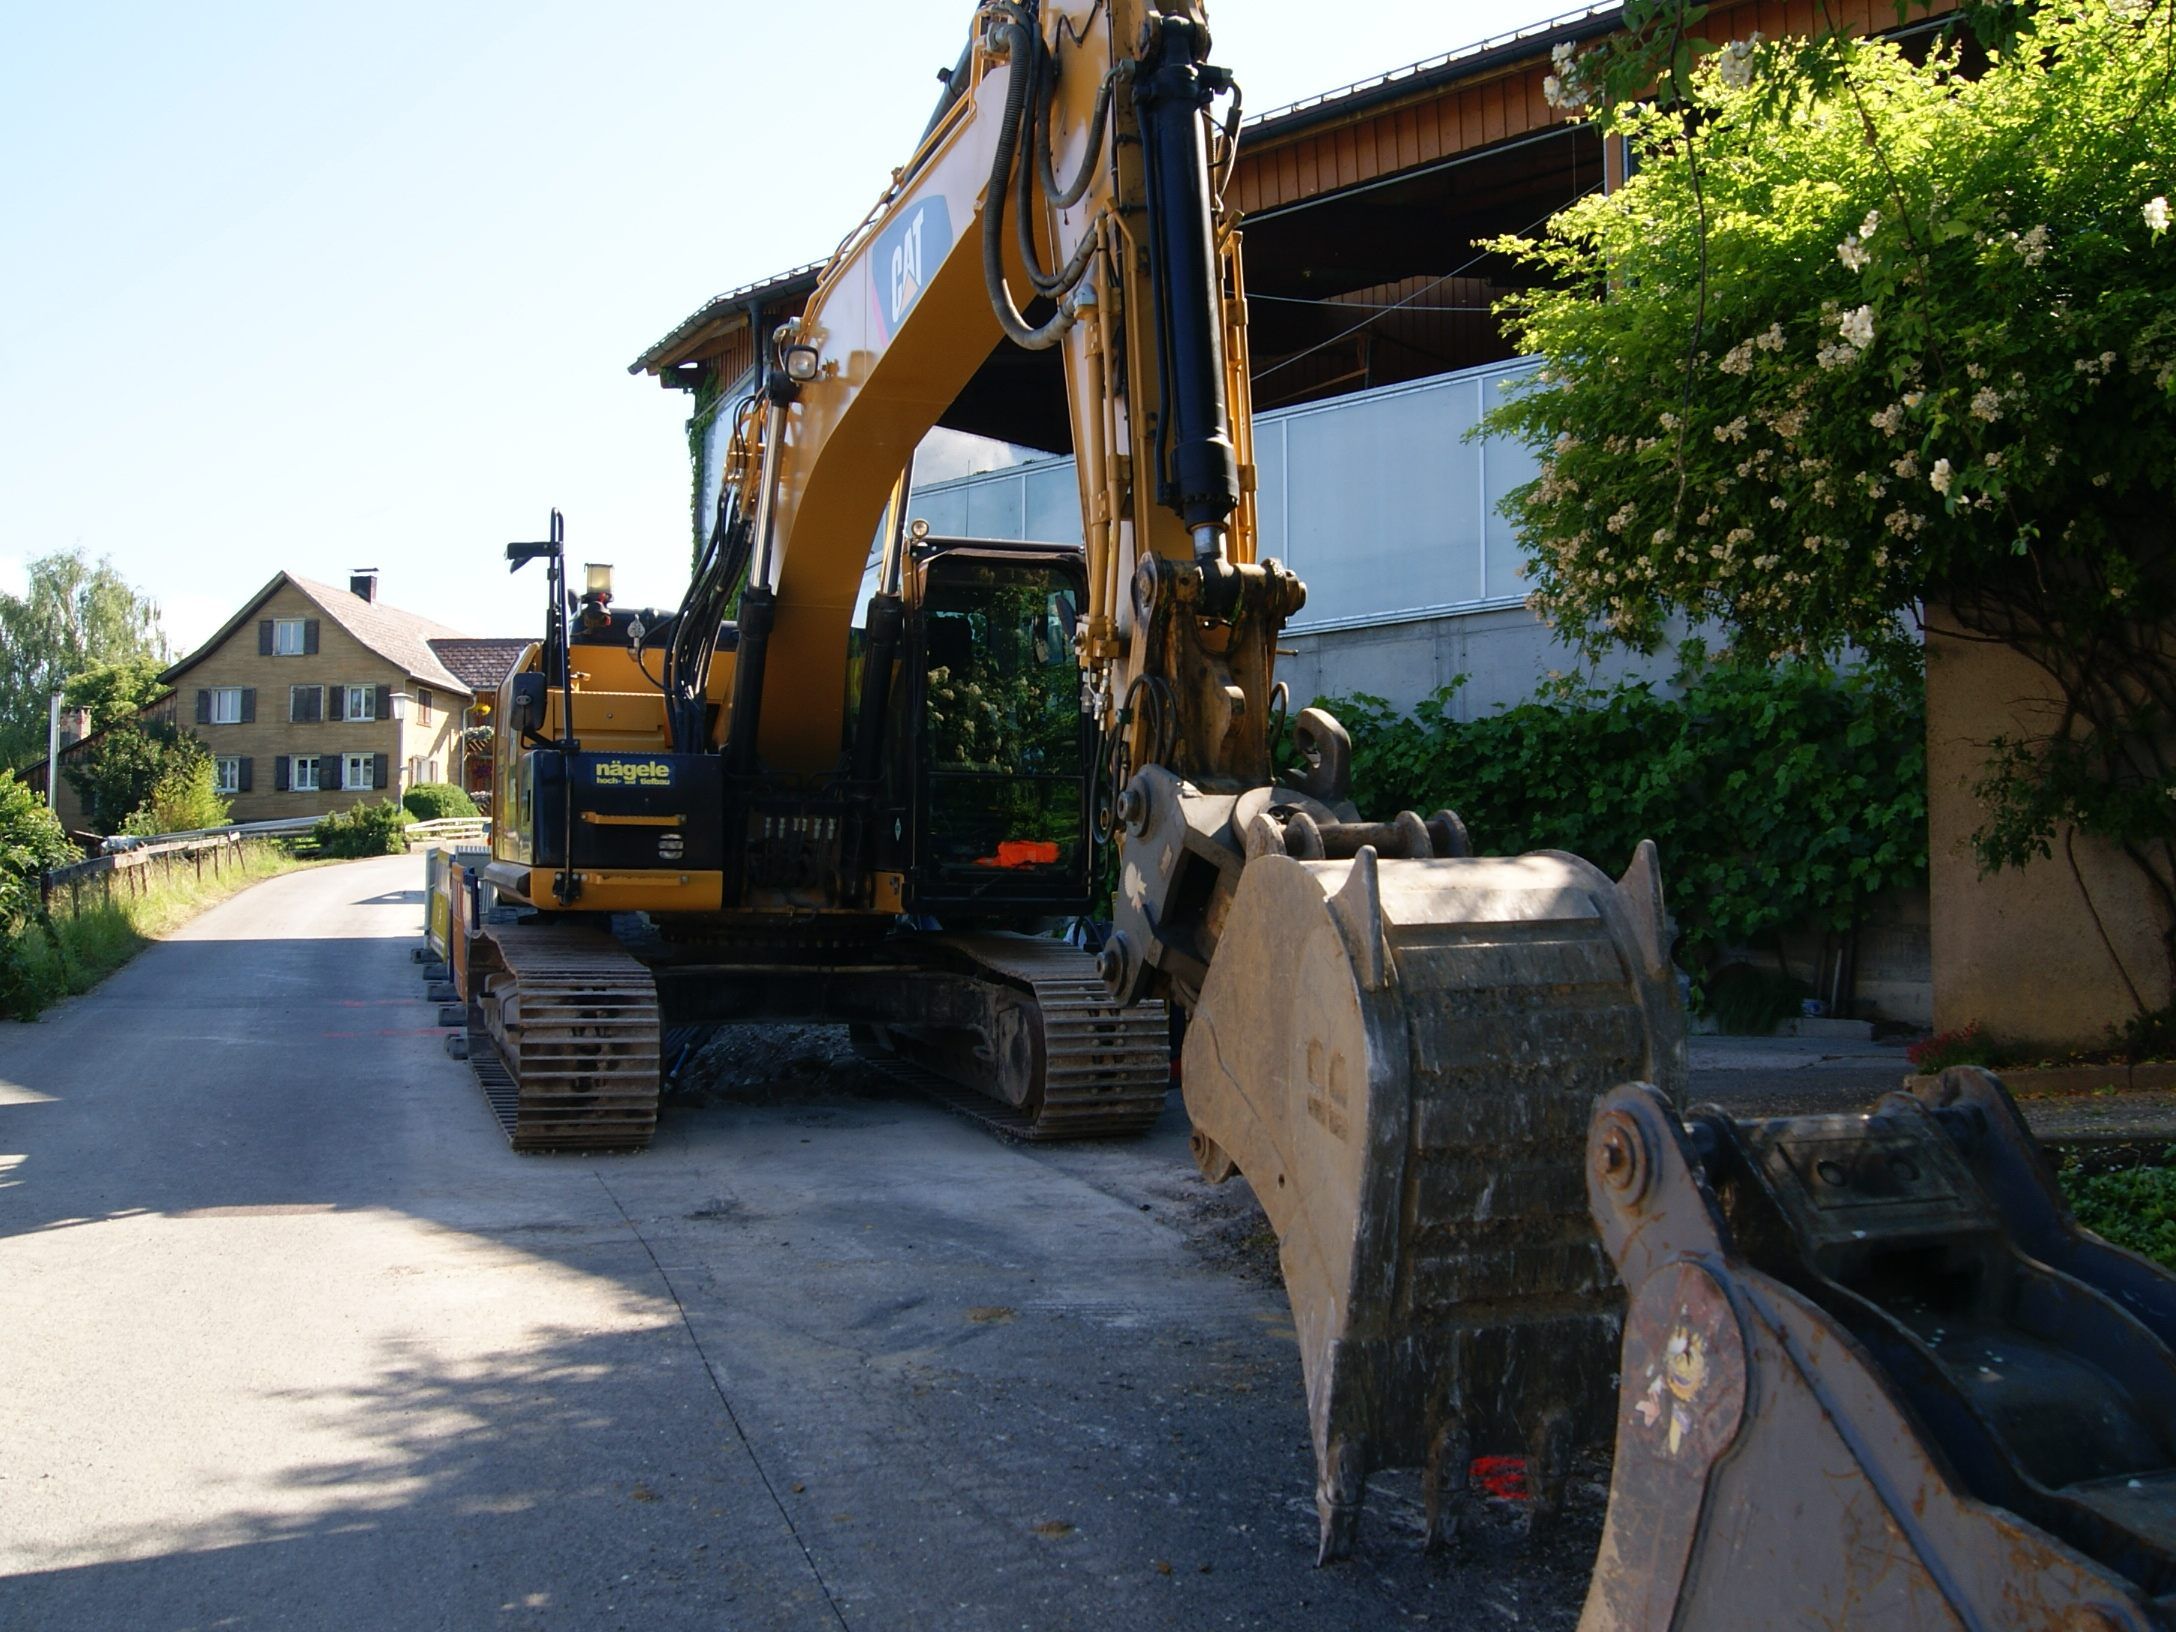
x: 363, y: 581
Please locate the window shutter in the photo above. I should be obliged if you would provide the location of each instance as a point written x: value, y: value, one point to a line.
x: 249, y: 705
x: 328, y: 773
x: 337, y: 705
x: 295, y: 705
x: 242, y: 782
x: 282, y: 778
x: 203, y: 708
x: 317, y: 703
x: 378, y: 779
x: 264, y: 637
x: 309, y: 637
x: 385, y: 702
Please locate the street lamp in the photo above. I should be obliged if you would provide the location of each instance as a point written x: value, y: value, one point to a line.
x: 52, y: 754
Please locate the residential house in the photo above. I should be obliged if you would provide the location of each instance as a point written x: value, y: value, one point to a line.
x: 314, y: 698
x: 482, y: 666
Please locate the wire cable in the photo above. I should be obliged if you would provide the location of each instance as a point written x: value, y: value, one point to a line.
x: 1400, y: 305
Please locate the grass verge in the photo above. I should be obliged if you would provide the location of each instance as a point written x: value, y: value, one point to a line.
x: 2134, y: 1207
x: 84, y: 947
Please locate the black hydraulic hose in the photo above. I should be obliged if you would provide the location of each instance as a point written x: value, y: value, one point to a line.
x: 1022, y: 47
x: 694, y: 641
x: 1053, y: 284
x: 1232, y: 116
x: 1037, y: 132
x: 1076, y: 189
x: 683, y: 649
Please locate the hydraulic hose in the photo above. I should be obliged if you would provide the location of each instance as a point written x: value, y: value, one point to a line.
x: 1076, y: 189
x: 1057, y: 284
x: 1023, y: 42
x: 1037, y: 132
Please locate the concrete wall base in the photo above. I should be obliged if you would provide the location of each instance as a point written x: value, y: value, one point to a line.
x: 2044, y: 954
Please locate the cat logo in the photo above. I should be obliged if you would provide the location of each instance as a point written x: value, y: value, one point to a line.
x: 905, y: 255
x: 632, y: 773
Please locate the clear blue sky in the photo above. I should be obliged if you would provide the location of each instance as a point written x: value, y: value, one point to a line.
x: 305, y: 286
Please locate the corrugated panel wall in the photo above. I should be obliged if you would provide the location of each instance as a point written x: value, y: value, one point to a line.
x: 1377, y: 499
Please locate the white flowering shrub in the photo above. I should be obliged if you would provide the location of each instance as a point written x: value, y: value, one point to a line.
x: 1859, y: 336
x: 1935, y: 335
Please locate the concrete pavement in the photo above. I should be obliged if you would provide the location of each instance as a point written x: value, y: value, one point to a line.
x: 290, y: 1339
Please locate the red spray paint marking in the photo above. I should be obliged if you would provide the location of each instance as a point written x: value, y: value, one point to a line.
x: 1501, y: 1476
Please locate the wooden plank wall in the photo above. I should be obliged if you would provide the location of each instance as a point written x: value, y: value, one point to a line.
x: 1498, y: 105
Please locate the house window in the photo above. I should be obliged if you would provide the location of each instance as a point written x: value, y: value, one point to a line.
x: 303, y: 775
x: 423, y: 705
x: 359, y: 770
x: 305, y: 704
x: 287, y: 637
x: 363, y: 704
x: 226, y: 705
x: 228, y: 774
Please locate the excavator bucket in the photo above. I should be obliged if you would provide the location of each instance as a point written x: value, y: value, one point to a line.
x: 1875, y: 1376
x: 1402, y: 1056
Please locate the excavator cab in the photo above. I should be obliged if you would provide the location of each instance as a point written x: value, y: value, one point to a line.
x: 995, y: 747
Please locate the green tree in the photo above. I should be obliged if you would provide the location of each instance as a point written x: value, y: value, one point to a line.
x: 114, y: 692
x: 71, y: 616
x: 122, y: 772
x: 1860, y: 337
x: 184, y: 798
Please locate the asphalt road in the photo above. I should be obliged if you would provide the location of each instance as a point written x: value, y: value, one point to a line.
x: 289, y: 1339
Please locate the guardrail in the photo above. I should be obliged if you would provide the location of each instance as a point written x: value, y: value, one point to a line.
x: 285, y: 827
x: 133, y: 872
x: 451, y: 830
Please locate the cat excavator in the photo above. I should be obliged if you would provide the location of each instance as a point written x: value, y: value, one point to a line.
x: 861, y: 772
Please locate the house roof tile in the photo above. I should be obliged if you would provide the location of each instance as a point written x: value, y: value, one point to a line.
x: 481, y: 664
x: 401, y: 638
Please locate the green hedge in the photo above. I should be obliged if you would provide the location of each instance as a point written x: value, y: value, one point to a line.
x: 434, y: 801
x: 365, y: 830
x: 30, y: 842
x: 1778, y: 796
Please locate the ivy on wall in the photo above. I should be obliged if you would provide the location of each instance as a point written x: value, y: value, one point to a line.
x: 709, y: 397
x: 1779, y: 796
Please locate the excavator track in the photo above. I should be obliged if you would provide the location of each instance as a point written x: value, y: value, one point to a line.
x: 1101, y: 1070
x: 571, y: 1024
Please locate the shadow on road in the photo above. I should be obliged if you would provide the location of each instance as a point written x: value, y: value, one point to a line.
x: 819, y: 1361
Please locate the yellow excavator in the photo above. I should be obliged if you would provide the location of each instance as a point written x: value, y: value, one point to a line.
x: 862, y: 772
